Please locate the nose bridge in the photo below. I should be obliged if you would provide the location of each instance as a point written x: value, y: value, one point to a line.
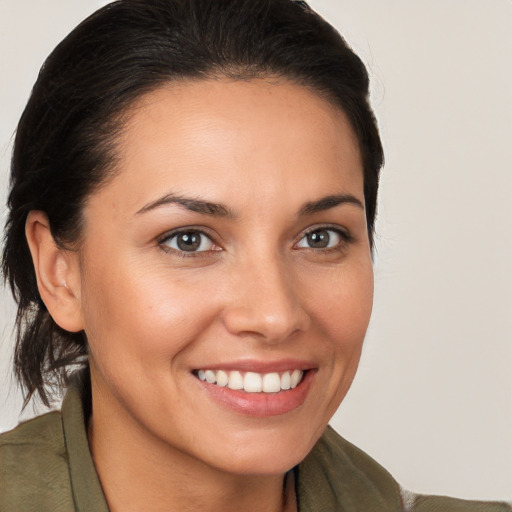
x: 266, y: 303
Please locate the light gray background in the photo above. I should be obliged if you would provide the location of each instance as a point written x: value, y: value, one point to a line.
x: 433, y: 398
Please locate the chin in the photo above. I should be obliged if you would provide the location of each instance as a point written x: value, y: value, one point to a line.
x: 270, y: 454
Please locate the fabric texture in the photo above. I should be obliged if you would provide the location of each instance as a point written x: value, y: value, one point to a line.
x: 46, y: 466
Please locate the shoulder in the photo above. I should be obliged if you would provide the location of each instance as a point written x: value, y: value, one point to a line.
x: 337, y: 475
x: 421, y: 503
x: 34, y: 467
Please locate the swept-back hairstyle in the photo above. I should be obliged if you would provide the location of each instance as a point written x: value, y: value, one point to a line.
x: 65, y: 146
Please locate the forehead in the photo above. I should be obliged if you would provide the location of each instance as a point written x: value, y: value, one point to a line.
x: 212, y: 136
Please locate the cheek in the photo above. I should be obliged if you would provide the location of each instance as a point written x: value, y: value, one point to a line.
x: 342, y: 309
x: 341, y: 303
x: 141, y: 315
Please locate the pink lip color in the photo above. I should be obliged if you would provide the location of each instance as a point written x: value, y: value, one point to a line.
x: 261, y: 404
x: 250, y: 365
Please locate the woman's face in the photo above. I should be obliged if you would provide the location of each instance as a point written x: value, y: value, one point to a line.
x: 229, y: 251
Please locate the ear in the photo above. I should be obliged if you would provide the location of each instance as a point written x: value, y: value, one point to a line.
x: 57, y: 273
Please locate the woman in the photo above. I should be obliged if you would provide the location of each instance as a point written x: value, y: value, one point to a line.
x: 191, y: 220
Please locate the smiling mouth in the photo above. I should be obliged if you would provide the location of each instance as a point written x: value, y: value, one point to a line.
x: 252, y: 382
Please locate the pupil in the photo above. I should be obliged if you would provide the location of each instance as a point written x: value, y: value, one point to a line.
x: 318, y: 239
x: 189, y: 241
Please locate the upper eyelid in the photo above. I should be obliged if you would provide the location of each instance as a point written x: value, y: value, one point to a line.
x: 166, y: 237
x: 328, y: 227
x: 345, y: 235
x: 174, y: 232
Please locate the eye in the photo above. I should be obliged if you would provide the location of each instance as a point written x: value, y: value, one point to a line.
x: 189, y: 241
x: 322, y: 238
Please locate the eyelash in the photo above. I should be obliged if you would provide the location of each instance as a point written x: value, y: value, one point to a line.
x: 345, y: 239
x: 186, y: 254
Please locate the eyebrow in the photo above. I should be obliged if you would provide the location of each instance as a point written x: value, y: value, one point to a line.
x: 219, y: 210
x: 190, y: 203
x: 328, y: 202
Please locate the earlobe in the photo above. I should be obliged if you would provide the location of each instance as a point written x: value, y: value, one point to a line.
x: 57, y: 273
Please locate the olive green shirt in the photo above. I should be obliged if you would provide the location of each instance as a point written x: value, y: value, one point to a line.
x: 46, y: 466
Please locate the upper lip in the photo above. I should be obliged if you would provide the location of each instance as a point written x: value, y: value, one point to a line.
x: 258, y: 366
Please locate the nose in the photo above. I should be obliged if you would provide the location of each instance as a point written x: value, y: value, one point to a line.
x: 266, y: 303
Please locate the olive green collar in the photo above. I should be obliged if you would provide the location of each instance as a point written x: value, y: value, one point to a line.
x: 86, y: 488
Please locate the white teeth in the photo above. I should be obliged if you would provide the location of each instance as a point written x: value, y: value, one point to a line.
x: 295, y: 378
x: 236, y: 381
x: 222, y: 378
x: 210, y: 376
x: 286, y: 381
x: 252, y: 382
x: 271, y: 383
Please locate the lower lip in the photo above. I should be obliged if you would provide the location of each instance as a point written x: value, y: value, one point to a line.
x: 261, y: 404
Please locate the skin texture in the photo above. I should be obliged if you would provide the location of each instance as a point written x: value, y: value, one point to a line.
x: 258, y: 294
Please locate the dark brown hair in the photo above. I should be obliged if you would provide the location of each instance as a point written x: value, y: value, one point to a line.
x: 65, y: 143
